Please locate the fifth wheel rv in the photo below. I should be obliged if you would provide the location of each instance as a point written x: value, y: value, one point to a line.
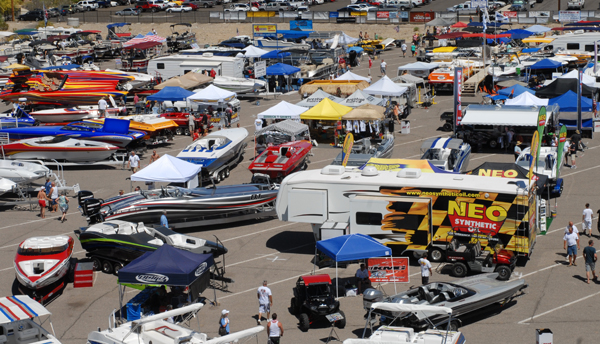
x: 411, y: 211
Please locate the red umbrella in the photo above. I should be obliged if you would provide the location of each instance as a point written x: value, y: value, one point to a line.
x: 459, y: 25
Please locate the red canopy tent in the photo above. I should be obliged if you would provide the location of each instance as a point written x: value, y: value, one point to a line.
x: 459, y: 25
x: 451, y: 35
x: 143, y: 45
x: 483, y: 35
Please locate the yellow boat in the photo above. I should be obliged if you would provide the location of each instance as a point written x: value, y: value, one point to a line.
x: 158, y: 130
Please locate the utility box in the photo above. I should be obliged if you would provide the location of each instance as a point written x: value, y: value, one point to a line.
x: 544, y: 336
x: 84, y: 275
x: 405, y: 127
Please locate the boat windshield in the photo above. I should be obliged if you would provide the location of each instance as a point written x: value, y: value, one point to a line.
x: 82, y: 126
x: 42, y: 251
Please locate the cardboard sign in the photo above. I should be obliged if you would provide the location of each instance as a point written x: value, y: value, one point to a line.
x: 389, y: 270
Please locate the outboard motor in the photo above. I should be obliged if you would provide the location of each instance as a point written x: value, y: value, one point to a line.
x: 370, y: 296
x: 83, y: 195
x: 91, y: 208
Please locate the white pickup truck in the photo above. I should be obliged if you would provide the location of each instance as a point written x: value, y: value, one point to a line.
x: 575, y: 4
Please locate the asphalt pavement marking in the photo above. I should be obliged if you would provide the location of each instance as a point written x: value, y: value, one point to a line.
x: 522, y: 322
x: 262, y: 231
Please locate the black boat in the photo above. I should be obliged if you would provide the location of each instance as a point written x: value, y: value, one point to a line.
x: 113, y: 244
x: 179, y: 41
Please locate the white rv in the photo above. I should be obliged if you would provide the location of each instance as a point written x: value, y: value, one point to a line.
x: 411, y: 211
x: 577, y: 40
x: 176, y: 65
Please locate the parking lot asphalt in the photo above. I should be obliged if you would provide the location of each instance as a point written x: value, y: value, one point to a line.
x: 557, y: 297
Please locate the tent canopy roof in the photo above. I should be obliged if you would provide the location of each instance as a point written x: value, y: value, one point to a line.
x: 352, y: 247
x: 560, y: 86
x: 359, y: 98
x: 367, y: 112
x: 317, y: 97
x: 351, y: 76
x: 212, y: 94
x: 171, y: 93
x: 568, y: 102
x: 326, y: 110
x: 288, y: 126
x: 419, y: 66
x: 385, y: 87
x: 546, y: 64
x: 538, y: 29
x: 20, y: 307
x: 574, y: 74
x: 281, y: 111
x: 282, y: 69
x: 252, y: 51
x: 518, y: 89
x: 167, y: 169
x: 439, y: 21
x: 526, y: 99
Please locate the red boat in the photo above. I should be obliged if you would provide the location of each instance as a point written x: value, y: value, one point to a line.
x: 181, y: 118
x: 43, y: 261
x: 279, y: 161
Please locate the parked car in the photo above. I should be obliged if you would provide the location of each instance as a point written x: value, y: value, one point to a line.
x: 128, y: 12
x: 32, y: 15
x: 53, y: 12
x: 314, y: 299
x: 180, y: 8
x: 239, y: 8
x: 87, y: 5
x: 278, y: 6
x: 151, y: 5
x: 69, y: 9
x: 192, y: 5
x: 204, y: 3
x: 260, y: 5
x: 106, y: 3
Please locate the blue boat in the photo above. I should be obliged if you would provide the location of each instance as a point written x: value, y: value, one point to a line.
x: 113, y: 131
x: 16, y: 119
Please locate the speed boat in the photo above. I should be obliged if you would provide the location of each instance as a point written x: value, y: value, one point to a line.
x: 178, y: 41
x: 77, y: 113
x: 18, y: 324
x: 546, y: 165
x: 367, y: 148
x: 15, y: 119
x: 183, y: 206
x: 113, y: 131
x: 448, y: 154
x: 6, y: 185
x: 216, y: 149
x: 43, y: 261
x: 239, y: 85
x: 463, y: 296
x: 280, y: 161
x: 127, y: 241
x: 22, y: 172
x: 158, y: 330
x: 59, y: 148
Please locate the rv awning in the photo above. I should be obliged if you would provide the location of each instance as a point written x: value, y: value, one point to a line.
x: 518, y: 116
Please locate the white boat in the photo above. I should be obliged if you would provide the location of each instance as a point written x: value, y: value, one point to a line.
x: 156, y: 329
x: 6, y: 185
x: 406, y: 335
x: 239, y: 85
x: 77, y: 113
x: 22, y: 172
x: 60, y: 148
x: 278, y: 44
x: 17, y: 321
x: 43, y: 261
x: 450, y: 155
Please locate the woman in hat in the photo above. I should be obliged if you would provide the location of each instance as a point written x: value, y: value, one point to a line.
x: 224, y: 323
x: 517, y: 149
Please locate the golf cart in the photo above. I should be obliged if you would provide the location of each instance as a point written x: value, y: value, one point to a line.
x: 467, y: 257
x: 314, y: 299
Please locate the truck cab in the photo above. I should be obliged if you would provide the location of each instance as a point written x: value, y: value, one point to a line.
x: 576, y: 4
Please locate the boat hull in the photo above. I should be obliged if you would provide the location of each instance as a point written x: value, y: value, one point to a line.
x: 26, y: 265
x: 61, y: 154
x: 72, y: 114
x: 271, y: 163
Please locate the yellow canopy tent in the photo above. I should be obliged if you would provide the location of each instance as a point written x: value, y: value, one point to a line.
x: 367, y: 112
x: 326, y: 110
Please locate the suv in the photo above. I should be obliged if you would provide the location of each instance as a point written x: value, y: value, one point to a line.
x: 313, y: 299
x: 87, y: 5
x: 278, y: 6
x: 151, y: 5
x: 204, y: 3
x: 32, y: 15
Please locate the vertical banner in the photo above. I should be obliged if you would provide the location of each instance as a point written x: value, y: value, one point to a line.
x: 347, y: 148
x: 535, y: 145
x: 458, y: 74
x: 595, y: 56
x: 541, y: 126
x: 562, y: 138
x: 389, y: 269
x: 579, y: 99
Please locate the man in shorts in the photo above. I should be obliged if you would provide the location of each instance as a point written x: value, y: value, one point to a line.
x: 102, y: 107
x: 42, y: 198
x: 134, y: 162
x: 571, y: 241
x: 589, y: 254
x: 265, y: 301
x: 586, y: 220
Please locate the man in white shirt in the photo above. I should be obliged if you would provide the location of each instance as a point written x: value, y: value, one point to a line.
x: 404, y: 47
x: 383, y: 66
x: 102, y: 107
x: 425, y: 269
x: 586, y: 219
x: 362, y: 275
x: 133, y: 162
x: 265, y: 301
x: 571, y: 245
x: 571, y: 225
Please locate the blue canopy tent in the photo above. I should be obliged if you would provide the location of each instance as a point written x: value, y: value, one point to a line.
x: 282, y: 69
x: 492, y: 24
x: 546, y: 64
x: 519, y: 33
x: 568, y: 102
x: 168, y: 266
x: 515, y: 90
x: 171, y: 93
x: 275, y: 54
x: 352, y: 247
x: 357, y: 49
x: 504, y: 40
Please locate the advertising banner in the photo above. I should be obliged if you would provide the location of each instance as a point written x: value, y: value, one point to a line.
x: 389, y: 270
x: 421, y: 17
x: 347, y: 148
x: 569, y: 16
x: 260, y: 69
x: 264, y: 30
x: 539, y: 14
x: 301, y: 24
x: 535, y: 145
x: 510, y: 14
x: 540, y: 128
x: 333, y: 14
x: 383, y: 15
x: 562, y: 138
x: 458, y: 74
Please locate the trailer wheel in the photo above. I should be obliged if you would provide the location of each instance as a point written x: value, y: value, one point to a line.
x: 304, y: 322
x: 341, y: 323
x: 117, y: 267
x: 107, y: 267
x: 178, y: 131
x: 97, y: 264
x: 493, y: 143
x: 226, y: 172
x: 436, y: 254
x: 454, y: 326
x: 459, y: 270
x: 503, y: 272
x: 447, y: 127
x: 186, y: 131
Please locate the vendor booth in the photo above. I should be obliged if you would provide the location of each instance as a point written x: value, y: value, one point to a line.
x: 360, y: 98
x: 168, y: 169
x: 324, y: 119
x: 283, y: 110
x: 526, y: 99
x: 279, y: 133
x: 317, y: 97
x: 215, y: 100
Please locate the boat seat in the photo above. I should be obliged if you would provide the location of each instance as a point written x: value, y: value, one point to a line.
x: 29, y: 334
x: 124, y: 229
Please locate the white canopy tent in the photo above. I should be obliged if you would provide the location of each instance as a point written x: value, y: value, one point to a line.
x: 343, y: 39
x: 252, y: 51
x: 527, y: 99
x: 351, y: 76
x: 283, y: 110
x: 385, y: 87
x: 212, y: 94
x: 418, y: 69
x: 537, y: 29
x: 316, y: 98
x: 359, y: 98
x: 169, y: 169
x: 585, y: 79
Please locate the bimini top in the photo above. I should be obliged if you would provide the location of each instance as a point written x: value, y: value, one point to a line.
x: 20, y: 307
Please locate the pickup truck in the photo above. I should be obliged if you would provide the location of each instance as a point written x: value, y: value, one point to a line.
x: 459, y: 7
x: 152, y: 6
x: 296, y: 4
x: 575, y: 4
x: 278, y: 6
x: 204, y: 3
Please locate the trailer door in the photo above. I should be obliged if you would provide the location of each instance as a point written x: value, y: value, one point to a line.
x: 393, y: 220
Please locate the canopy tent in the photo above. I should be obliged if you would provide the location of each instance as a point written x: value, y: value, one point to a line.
x: 187, y: 81
x: 537, y: 29
x: 359, y: 98
x: 526, y: 99
x: 283, y: 110
x: 568, y: 102
x: 352, y: 247
x: 292, y: 128
x: 168, y: 169
x: 282, y: 69
x: 439, y: 21
x: 275, y: 54
x: 367, y: 112
x: 317, y: 97
x: 458, y: 25
x: 515, y: 90
x: 419, y: 66
x: 519, y: 33
x: 385, y: 87
x: 569, y: 119
x: 560, y: 86
x: 20, y: 307
x: 171, y: 93
x: 343, y: 39
x: 409, y: 79
x: 516, y: 116
x: 585, y: 79
x: 351, y: 76
x: 142, y: 45
x: 252, y: 51
x: 326, y: 110
x: 546, y: 64
x: 212, y: 94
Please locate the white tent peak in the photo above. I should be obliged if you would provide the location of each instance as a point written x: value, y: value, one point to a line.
x: 351, y: 76
x: 212, y: 94
x: 252, y: 51
x: 281, y: 111
x: 586, y: 79
x: 385, y: 87
x: 527, y: 99
x: 168, y: 169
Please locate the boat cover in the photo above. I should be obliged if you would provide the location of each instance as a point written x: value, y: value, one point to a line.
x: 166, y: 266
x: 20, y: 307
x: 289, y: 127
x: 168, y: 169
x: 283, y: 110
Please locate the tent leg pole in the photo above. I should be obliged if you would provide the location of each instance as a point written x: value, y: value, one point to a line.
x: 337, y: 294
x: 315, y: 261
x: 367, y: 324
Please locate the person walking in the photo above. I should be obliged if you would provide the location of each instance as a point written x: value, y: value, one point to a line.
x: 404, y: 47
x: 191, y: 124
x: 138, y: 107
x: 63, y: 205
x: 370, y: 64
x: 413, y: 49
x: 153, y: 157
x: 265, y: 301
x: 518, y: 149
x: 586, y: 220
x: 102, y: 107
x: 383, y: 66
x: 42, y: 198
x: 275, y: 329
x: 224, y: 323
x: 589, y: 254
x: 571, y: 153
x: 425, y: 269
x: 571, y: 244
x: 134, y: 162
x: 53, y: 197
x: 163, y: 219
